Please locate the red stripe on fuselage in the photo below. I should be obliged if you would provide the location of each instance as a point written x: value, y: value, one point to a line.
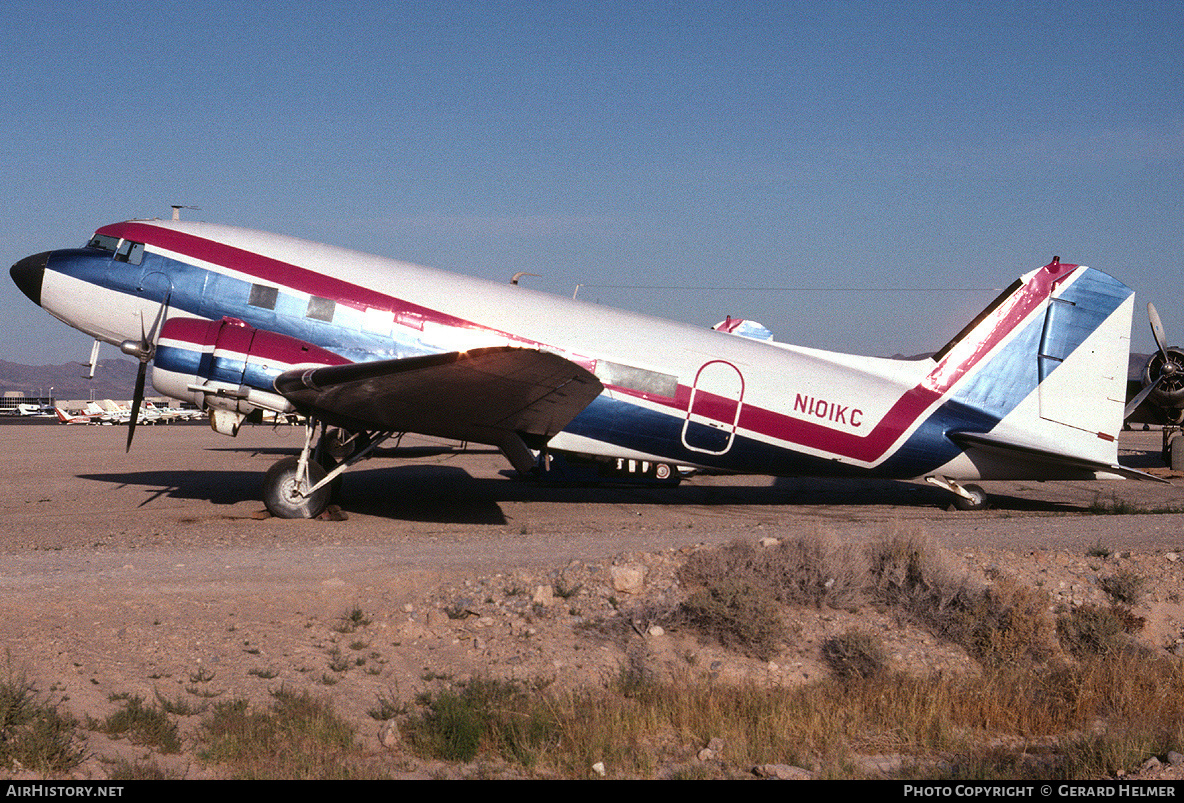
x: 873, y: 445
x: 286, y: 274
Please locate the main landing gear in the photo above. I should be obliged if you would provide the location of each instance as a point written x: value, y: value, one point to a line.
x: 301, y: 487
x: 966, y: 497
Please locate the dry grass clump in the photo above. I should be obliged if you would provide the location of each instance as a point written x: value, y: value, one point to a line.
x: 1018, y: 722
x: 34, y: 735
x: 142, y: 724
x: 299, y: 737
x: 500, y: 717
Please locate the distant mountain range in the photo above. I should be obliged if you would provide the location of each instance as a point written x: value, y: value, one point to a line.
x: 116, y: 378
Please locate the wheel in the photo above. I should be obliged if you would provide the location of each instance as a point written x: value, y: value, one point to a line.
x: 666, y: 473
x: 977, y: 501
x: 284, y: 499
x: 1176, y: 453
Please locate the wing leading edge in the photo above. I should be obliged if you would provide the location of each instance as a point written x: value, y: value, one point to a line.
x: 487, y: 395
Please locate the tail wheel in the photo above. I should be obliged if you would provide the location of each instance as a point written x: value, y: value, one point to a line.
x: 287, y: 499
x: 976, y: 501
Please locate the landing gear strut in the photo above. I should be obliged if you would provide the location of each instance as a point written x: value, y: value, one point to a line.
x: 301, y: 487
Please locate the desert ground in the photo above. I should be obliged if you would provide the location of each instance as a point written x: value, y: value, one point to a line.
x: 157, y: 571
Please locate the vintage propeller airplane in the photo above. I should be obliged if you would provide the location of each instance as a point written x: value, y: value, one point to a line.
x: 239, y: 322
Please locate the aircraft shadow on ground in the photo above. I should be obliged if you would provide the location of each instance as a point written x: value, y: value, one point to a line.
x: 216, y: 487
x: 389, y: 452
x: 449, y: 494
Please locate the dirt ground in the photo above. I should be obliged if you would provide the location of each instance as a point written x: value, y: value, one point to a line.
x: 153, y: 573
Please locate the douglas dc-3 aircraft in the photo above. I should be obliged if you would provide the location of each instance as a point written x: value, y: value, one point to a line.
x: 240, y: 322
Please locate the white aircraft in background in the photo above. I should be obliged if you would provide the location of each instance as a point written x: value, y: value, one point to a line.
x: 240, y: 322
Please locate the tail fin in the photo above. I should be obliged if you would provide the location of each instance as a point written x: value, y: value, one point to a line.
x: 1047, y: 364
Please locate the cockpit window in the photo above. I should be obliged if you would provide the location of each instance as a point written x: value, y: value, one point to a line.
x: 130, y: 252
x: 104, y: 241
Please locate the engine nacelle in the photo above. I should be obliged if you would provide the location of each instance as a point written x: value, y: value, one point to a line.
x: 228, y: 367
x: 1169, y: 393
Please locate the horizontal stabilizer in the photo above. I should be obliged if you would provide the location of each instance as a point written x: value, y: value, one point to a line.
x: 1024, y: 453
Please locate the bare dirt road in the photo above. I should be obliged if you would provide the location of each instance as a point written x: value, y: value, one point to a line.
x: 151, y: 572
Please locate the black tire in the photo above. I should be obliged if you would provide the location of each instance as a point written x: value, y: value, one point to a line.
x: 280, y: 492
x: 666, y: 473
x: 977, y: 502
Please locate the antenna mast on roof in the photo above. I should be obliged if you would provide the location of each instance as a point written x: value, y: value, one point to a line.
x: 177, y: 210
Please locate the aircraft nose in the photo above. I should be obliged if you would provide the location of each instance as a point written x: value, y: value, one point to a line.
x: 28, y: 273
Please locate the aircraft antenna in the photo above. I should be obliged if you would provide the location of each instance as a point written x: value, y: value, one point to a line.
x: 177, y: 210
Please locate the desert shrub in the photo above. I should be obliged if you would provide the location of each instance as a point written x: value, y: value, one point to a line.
x: 813, y: 570
x: 737, y: 560
x: 739, y: 614
x: 910, y: 571
x: 855, y: 654
x: 1001, y: 623
x: 817, y: 570
x: 1091, y: 630
x: 1125, y: 586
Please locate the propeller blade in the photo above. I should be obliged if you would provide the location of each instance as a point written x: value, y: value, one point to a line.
x: 136, y: 401
x: 147, y: 352
x: 1134, y: 403
x: 1157, y: 330
x: 150, y: 342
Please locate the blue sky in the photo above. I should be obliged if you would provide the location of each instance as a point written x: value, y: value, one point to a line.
x: 857, y: 175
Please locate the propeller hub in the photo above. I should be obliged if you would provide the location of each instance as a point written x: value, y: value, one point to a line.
x: 137, y: 349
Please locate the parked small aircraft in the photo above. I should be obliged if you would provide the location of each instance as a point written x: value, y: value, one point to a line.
x: 239, y: 322
x: 66, y: 417
x: 26, y: 410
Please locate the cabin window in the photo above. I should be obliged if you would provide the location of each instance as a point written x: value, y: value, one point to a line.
x: 320, y: 309
x: 104, y: 241
x: 130, y: 252
x: 377, y: 321
x: 263, y: 296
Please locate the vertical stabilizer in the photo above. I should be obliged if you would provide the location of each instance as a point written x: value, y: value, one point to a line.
x: 1047, y: 364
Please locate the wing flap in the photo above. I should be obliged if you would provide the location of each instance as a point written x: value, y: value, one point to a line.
x: 478, y: 395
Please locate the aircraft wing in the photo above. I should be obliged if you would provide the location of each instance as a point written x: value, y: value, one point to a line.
x: 483, y: 395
